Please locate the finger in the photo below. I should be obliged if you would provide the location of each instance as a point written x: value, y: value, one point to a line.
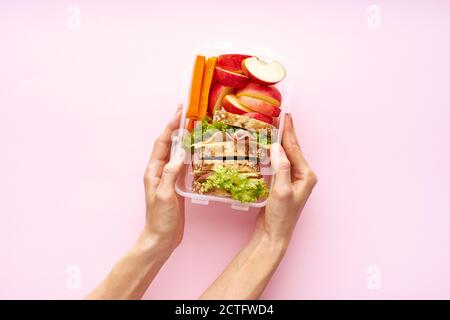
x: 293, y: 149
x: 153, y: 175
x: 180, y: 197
x: 281, y: 166
x: 160, y: 153
x: 303, y: 177
x: 161, y: 148
x: 179, y: 107
x: 171, y: 171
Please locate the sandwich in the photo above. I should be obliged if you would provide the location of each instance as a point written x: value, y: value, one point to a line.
x: 227, y: 156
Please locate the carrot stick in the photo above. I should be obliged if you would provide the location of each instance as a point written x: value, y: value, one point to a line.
x: 206, y: 85
x: 191, y: 125
x: 196, y: 86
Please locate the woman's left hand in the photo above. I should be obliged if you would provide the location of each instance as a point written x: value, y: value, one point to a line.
x: 165, y: 208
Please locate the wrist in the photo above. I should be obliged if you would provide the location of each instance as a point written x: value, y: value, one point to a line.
x: 276, y: 246
x: 154, y: 244
x: 272, y: 239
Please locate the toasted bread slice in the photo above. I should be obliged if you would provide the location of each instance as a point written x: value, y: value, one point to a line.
x: 203, y: 166
x: 241, y: 121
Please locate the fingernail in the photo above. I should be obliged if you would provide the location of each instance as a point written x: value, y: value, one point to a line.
x: 176, y: 115
x: 289, y: 116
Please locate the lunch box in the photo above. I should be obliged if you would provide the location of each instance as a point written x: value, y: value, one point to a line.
x: 184, y: 183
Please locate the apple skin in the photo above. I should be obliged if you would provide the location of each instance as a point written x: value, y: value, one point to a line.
x: 261, y: 72
x: 259, y: 116
x: 216, y: 94
x: 268, y: 94
x: 232, y: 62
x: 260, y: 106
x: 231, y: 104
x: 230, y: 79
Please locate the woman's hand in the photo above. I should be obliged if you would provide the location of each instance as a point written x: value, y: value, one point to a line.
x: 250, y: 271
x: 165, y: 208
x: 163, y: 229
x: 294, y: 182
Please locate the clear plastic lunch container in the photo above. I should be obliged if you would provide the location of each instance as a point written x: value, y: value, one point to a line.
x: 184, y: 183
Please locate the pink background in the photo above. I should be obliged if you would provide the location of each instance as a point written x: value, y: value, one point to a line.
x: 80, y: 109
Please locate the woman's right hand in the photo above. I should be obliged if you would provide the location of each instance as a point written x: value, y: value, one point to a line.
x: 294, y: 182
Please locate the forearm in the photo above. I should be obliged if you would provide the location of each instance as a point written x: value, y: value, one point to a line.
x: 131, y: 276
x: 250, y: 271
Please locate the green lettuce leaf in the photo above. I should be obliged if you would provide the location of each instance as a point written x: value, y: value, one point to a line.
x: 238, y: 185
x: 204, y: 131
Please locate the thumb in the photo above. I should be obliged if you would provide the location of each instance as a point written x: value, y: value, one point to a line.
x: 171, y: 170
x: 281, y: 166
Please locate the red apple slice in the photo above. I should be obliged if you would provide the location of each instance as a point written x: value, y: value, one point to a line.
x: 259, y: 116
x: 263, y: 72
x: 261, y: 92
x: 230, y: 79
x: 231, y: 62
x: 260, y: 106
x: 231, y: 104
x: 216, y: 95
